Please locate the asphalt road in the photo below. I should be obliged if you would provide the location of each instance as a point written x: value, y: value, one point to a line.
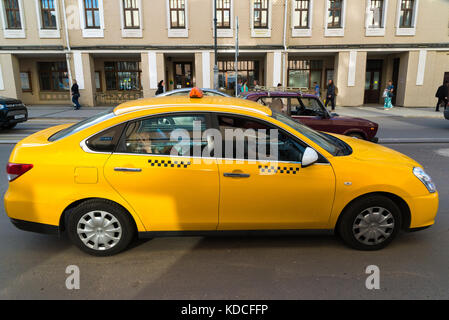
x: 415, y: 265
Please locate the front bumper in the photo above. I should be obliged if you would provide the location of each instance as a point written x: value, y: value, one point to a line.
x: 35, y: 227
x: 423, y: 210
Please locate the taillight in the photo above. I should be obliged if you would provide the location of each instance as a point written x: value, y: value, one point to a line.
x: 15, y: 170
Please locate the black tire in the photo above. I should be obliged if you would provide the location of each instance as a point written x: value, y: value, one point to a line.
x: 351, y: 217
x: 356, y: 135
x: 123, y: 221
x: 11, y: 125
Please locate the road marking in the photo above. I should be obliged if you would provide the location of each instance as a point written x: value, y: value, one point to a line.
x: 443, y: 152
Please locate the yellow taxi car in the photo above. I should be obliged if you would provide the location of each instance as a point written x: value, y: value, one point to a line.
x: 182, y: 166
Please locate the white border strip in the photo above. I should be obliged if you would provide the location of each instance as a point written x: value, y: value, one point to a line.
x: 352, y: 68
x: 152, y: 65
x: 206, y: 69
x: 2, y: 84
x: 79, y: 72
x: 421, y: 67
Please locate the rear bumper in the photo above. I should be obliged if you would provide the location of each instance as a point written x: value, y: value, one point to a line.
x: 375, y: 140
x: 35, y: 227
x: 14, y: 116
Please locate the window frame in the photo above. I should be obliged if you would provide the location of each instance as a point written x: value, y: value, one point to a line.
x: 207, y: 116
x: 132, y: 10
x: 30, y: 89
x: 311, y: 69
x: 89, y: 32
x: 51, y: 72
x: 12, y: 33
x: 333, y: 11
x: 48, y: 12
x: 16, y: 12
x: 407, y: 30
x: 215, y: 121
x: 260, y: 10
x: 301, y: 12
x: 335, y: 31
x: 177, y: 10
x: 127, y: 32
x: 178, y: 32
x: 370, y: 30
x: 221, y: 11
x: 92, y: 10
x: 117, y: 70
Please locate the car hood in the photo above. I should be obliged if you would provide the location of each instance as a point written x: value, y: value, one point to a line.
x: 367, y: 151
x: 6, y: 100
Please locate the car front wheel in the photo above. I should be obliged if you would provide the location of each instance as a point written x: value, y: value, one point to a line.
x: 370, y: 223
x: 100, y: 228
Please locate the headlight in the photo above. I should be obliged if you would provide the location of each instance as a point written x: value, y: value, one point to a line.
x: 425, y: 178
x: 2, y: 106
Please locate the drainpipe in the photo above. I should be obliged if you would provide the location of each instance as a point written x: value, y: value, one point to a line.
x: 284, y: 72
x: 68, y: 50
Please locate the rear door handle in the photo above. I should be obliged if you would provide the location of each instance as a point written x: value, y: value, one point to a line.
x: 236, y: 175
x: 128, y: 169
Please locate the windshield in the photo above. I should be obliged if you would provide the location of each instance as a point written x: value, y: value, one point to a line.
x: 329, y: 143
x: 81, y: 125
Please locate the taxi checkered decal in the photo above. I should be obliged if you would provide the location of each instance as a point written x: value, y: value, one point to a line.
x: 169, y: 163
x: 273, y: 169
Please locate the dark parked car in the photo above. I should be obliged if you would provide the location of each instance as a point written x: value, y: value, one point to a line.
x: 309, y: 110
x: 12, y: 112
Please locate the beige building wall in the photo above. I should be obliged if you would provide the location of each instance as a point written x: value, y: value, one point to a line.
x: 273, y: 47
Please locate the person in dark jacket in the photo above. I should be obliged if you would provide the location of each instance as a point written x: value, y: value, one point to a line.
x: 160, y: 87
x: 330, y: 95
x: 442, y: 94
x: 75, y: 95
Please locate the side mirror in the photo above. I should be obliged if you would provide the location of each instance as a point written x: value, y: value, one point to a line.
x: 309, y: 157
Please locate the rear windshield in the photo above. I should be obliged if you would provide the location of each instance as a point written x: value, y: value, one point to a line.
x: 77, y: 127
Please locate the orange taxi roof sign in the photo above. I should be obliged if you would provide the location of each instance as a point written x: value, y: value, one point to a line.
x: 196, y: 93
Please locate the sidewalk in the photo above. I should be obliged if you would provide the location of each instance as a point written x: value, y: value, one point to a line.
x: 62, y: 112
x: 379, y: 111
x: 66, y: 112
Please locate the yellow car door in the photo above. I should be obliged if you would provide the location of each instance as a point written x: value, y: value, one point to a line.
x: 275, y: 194
x: 169, y: 192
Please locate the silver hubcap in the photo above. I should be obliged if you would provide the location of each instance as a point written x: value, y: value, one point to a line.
x: 99, y: 230
x: 373, y: 226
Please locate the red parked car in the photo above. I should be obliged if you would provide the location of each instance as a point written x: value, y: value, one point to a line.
x: 309, y: 110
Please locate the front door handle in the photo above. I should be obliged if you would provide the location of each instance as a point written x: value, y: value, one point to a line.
x: 236, y: 175
x: 128, y: 169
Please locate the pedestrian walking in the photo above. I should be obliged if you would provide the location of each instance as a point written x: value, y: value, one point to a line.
x: 388, y: 94
x: 442, y: 95
x: 330, y: 95
x: 317, y: 89
x: 160, y: 87
x: 256, y: 86
x: 75, y: 95
x: 245, y: 86
x: 239, y: 87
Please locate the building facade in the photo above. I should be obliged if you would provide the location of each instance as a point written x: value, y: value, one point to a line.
x: 120, y: 49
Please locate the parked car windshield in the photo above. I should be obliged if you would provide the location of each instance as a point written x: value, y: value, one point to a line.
x: 333, y: 145
x: 82, y: 125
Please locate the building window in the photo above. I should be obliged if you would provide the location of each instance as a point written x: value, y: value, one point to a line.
x: 177, y: 14
x: 223, y: 14
x: 334, y: 16
x: 25, y: 80
x: 247, y: 71
x: 12, y: 13
x: 48, y: 14
x: 122, y: 75
x: 301, y: 18
x: 406, y: 13
x: 304, y: 73
x: 53, y: 76
x: 261, y: 14
x: 131, y: 14
x: 92, y: 14
x: 376, y: 9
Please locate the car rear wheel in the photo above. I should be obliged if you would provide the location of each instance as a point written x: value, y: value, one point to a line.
x: 100, y: 228
x: 370, y: 223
